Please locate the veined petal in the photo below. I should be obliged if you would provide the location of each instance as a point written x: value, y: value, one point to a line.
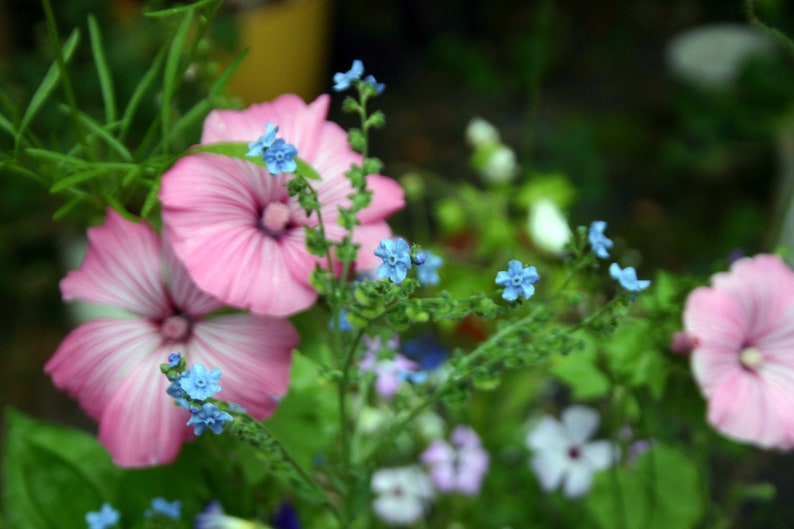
x: 141, y: 425
x: 254, y: 354
x: 715, y: 319
x: 387, y: 197
x: 186, y: 295
x: 122, y: 267
x: 94, y: 359
x: 299, y: 124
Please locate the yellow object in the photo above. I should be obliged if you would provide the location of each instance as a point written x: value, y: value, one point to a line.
x: 288, y: 50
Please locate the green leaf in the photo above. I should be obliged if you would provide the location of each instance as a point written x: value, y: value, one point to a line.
x: 57, y: 157
x: 172, y: 73
x: 103, y: 134
x: 151, y: 198
x: 660, y: 490
x: 6, y: 125
x: 146, y: 82
x: 46, y: 87
x: 171, y: 11
x: 103, y: 71
x: 52, y: 475
x: 306, y: 170
x: 198, y: 112
x: 579, y: 371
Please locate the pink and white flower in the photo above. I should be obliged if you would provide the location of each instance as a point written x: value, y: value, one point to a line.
x: 240, y: 236
x: 742, y: 328
x: 402, y: 494
x: 459, y: 466
x: 112, y: 366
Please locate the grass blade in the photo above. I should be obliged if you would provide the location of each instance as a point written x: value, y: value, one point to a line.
x: 172, y: 71
x: 143, y: 87
x: 177, y: 10
x: 105, y: 136
x: 103, y: 71
x: 46, y: 87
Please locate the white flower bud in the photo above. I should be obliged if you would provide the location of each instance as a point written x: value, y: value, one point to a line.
x: 548, y: 227
x: 480, y: 132
x: 501, y: 166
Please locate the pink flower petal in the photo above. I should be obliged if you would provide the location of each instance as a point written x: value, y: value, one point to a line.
x: 122, y: 267
x: 93, y: 359
x: 387, y: 198
x: 254, y: 354
x: 369, y: 237
x: 299, y: 124
x: 141, y: 425
x: 186, y: 295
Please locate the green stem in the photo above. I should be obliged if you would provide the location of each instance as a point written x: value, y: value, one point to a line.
x: 778, y: 35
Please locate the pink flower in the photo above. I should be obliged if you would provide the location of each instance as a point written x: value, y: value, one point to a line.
x: 112, y: 366
x: 457, y: 466
x: 743, y: 360
x: 239, y: 234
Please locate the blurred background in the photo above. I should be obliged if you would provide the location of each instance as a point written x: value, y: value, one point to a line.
x: 671, y: 119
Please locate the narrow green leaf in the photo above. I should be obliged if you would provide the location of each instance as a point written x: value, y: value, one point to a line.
x: 47, y: 85
x: 116, y: 204
x: 172, y: 72
x: 105, y: 79
x: 131, y: 175
x: 53, y: 156
x: 177, y: 10
x: 10, y: 165
x: 306, y: 170
x: 79, y: 178
x: 105, y: 136
x: 69, y: 206
x: 198, y: 112
x: 143, y: 87
x: 151, y: 199
x: 6, y: 125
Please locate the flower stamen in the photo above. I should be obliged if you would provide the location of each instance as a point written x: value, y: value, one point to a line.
x: 751, y: 357
x: 275, y: 218
x: 176, y: 328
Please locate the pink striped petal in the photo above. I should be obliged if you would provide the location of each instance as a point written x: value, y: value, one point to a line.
x: 369, y: 237
x: 94, y: 359
x: 186, y: 295
x: 254, y: 354
x: 299, y: 124
x: 122, y: 267
x: 387, y: 198
x: 141, y: 425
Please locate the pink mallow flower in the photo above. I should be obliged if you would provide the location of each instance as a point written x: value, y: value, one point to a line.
x: 743, y: 359
x: 112, y: 366
x: 240, y: 236
x: 459, y: 466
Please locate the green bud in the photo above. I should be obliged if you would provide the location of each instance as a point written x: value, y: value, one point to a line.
x: 350, y: 105
x: 372, y: 166
x: 376, y: 120
x: 356, y: 140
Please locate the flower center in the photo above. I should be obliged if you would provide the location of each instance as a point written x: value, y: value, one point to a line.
x: 275, y: 218
x: 176, y: 328
x: 574, y: 452
x: 751, y: 357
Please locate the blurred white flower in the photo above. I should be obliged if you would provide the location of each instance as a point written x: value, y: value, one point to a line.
x: 562, y: 455
x: 548, y: 227
x: 480, y: 132
x: 402, y: 494
x: 500, y: 167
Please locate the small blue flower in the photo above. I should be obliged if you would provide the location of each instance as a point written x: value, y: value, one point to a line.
x: 426, y: 351
x: 174, y: 359
x: 628, y: 278
x: 342, y: 80
x: 209, y: 416
x: 258, y: 147
x: 280, y: 157
x: 104, y: 518
x: 396, y: 257
x: 168, y: 509
x: 379, y: 87
x: 285, y: 517
x: 200, y: 384
x: 599, y: 242
x: 517, y: 280
x: 420, y: 258
x: 427, y: 271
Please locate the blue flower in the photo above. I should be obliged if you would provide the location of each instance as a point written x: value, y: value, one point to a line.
x: 106, y: 517
x: 258, y: 147
x: 280, y: 157
x: 344, y: 323
x: 285, y: 517
x: 517, y: 280
x: 427, y: 270
x: 396, y: 257
x: 628, y: 278
x: 342, y: 80
x: 426, y: 351
x: 198, y: 383
x: 379, y: 87
x: 165, y: 508
x: 209, y: 416
x: 173, y: 359
x: 599, y: 242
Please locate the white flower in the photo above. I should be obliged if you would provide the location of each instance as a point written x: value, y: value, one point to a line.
x: 480, y: 132
x: 563, y: 457
x: 500, y: 167
x: 547, y: 226
x: 402, y: 494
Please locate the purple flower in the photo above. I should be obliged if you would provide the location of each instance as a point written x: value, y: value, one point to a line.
x: 459, y: 466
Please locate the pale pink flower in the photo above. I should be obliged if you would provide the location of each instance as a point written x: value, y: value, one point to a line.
x: 743, y: 359
x: 112, y: 366
x: 239, y: 234
x: 459, y: 466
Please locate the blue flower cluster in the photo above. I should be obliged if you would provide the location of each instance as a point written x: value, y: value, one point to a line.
x: 427, y: 265
x: 104, y: 518
x: 344, y: 80
x: 198, y: 384
x: 278, y: 155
